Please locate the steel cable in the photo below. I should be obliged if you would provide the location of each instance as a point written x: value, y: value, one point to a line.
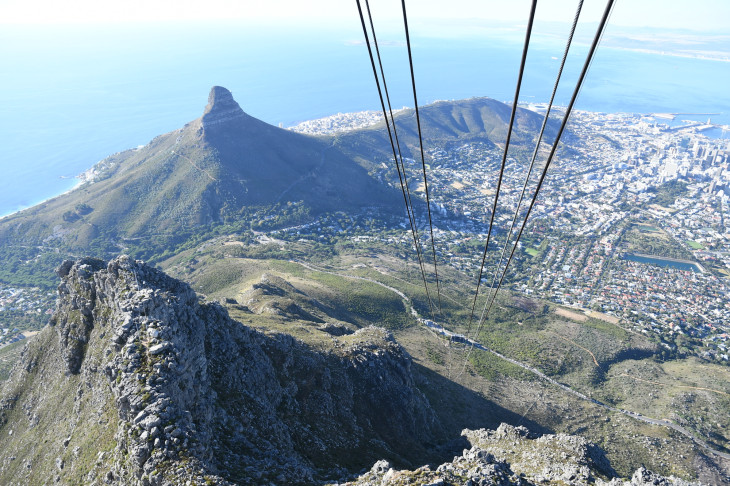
x: 395, y: 157
x: 576, y: 91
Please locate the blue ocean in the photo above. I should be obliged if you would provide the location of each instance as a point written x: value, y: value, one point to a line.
x: 71, y: 96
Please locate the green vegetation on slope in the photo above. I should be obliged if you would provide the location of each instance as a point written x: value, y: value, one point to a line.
x: 9, y: 355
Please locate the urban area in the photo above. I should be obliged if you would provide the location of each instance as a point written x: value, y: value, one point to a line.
x: 629, y: 225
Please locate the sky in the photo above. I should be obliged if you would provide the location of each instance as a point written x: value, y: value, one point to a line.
x: 699, y: 15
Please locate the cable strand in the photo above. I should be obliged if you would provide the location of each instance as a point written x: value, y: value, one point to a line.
x: 537, y: 147
x: 576, y: 91
x: 504, y: 157
x: 390, y: 136
x: 423, y: 161
x: 409, y: 206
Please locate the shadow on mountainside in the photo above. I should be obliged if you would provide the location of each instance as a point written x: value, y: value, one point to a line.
x: 459, y: 408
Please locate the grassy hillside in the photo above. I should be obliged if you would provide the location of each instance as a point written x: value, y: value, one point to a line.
x: 181, y: 186
x: 455, y: 122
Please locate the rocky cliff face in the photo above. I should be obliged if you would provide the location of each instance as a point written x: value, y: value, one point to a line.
x: 164, y: 390
x: 221, y: 108
x: 136, y: 382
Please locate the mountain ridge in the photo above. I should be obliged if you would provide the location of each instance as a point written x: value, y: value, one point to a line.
x: 209, y: 171
x: 137, y: 382
x: 479, y: 119
x: 163, y: 389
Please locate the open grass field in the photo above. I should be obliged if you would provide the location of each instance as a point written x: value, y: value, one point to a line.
x: 695, y: 246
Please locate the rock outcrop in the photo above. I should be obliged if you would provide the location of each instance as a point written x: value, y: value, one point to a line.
x: 221, y: 108
x: 511, y: 456
x: 192, y: 395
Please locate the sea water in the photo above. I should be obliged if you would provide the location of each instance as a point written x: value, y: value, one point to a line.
x: 71, y: 96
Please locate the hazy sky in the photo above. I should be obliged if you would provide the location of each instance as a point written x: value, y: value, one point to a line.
x: 672, y: 14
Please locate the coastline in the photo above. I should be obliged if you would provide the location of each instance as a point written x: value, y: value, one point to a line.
x: 78, y: 184
x: 717, y: 56
x: 331, y: 124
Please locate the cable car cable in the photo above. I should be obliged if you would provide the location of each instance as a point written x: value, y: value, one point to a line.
x: 423, y: 161
x: 504, y: 157
x: 581, y: 78
x: 537, y: 145
x: 387, y: 124
x: 414, y: 224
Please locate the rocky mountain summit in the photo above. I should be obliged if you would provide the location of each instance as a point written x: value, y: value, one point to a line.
x: 221, y: 108
x: 138, y: 382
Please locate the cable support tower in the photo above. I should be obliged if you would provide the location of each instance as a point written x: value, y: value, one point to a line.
x: 423, y: 161
x: 409, y: 209
x: 576, y: 91
x: 504, y: 157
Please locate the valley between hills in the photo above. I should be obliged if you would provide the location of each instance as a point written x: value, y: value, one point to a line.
x: 305, y: 236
